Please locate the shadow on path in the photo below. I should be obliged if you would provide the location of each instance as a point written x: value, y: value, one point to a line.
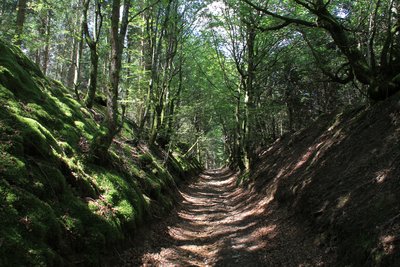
x: 219, y: 224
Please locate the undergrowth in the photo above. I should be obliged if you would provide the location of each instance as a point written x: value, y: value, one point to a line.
x: 55, y: 208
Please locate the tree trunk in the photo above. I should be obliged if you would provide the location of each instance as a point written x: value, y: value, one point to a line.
x: 173, y: 104
x: 102, y: 142
x: 92, y: 42
x: 78, y: 57
x: 237, y: 149
x: 69, y: 80
x: 21, y: 13
x: 46, y: 52
x: 383, y: 80
x: 94, y: 65
x: 250, y: 99
x: 74, y: 70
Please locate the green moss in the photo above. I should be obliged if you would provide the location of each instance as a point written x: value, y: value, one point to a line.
x: 54, y: 206
x: 12, y: 167
x: 28, y: 225
x: 37, y: 138
x: 126, y: 210
x: 145, y: 159
x: 67, y: 148
x: 83, y: 128
x: 40, y: 113
x: 52, y: 179
x: 243, y: 178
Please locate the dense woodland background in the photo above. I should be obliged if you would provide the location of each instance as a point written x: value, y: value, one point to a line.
x: 225, y: 77
x: 109, y: 107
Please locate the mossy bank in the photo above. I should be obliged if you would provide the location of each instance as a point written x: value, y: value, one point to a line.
x: 56, y: 209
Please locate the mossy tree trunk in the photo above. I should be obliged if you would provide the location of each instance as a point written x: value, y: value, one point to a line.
x: 92, y: 41
x: 94, y: 61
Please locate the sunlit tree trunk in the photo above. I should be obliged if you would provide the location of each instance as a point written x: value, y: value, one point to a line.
x: 78, y: 63
x: 238, y: 138
x: 76, y: 54
x: 46, y: 51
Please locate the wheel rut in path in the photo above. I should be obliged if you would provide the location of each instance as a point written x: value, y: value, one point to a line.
x: 220, y: 224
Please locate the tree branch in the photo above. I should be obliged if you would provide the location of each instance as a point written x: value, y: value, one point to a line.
x: 284, y: 18
x: 321, y: 65
x: 143, y: 10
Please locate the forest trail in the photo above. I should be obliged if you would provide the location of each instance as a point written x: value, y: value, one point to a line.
x: 220, y: 224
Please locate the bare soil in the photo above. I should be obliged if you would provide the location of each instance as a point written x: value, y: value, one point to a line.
x: 220, y: 224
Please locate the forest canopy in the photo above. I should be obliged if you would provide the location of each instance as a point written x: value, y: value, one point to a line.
x: 221, y: 78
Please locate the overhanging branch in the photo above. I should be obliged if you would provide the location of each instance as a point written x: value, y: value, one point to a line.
x: 287, y: 20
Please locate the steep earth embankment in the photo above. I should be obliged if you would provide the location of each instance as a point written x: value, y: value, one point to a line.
x: 56, y: 208
x: 342, y: 177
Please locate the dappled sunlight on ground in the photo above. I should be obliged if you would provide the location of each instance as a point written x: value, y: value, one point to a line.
x: 323, y: 196
x: 221, y: 224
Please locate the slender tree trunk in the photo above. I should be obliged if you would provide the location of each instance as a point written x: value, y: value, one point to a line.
x: 78, y: 63
x: 69, y: 81
x: 250, y: 99
x: 148, y: 56
x: 21, y: 13
x: 128, y: 80
x: 237, y: 149
x: 116, y: 54
x: 94, y: 66
x: 92, y: 42
x: 102, y: 142
x: 74, y: 70
x: 159, y: 81
x: 175, y: 99
x: 37, y: 57
x: 46, y: 52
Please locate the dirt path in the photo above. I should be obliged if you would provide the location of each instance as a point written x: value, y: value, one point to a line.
x: 218, y: 224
